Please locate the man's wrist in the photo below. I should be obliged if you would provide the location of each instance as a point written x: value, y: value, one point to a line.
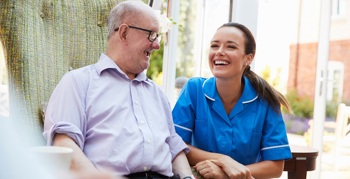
x: 177, y: 176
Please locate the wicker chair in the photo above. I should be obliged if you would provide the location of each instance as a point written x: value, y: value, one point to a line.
x: 43, y: 39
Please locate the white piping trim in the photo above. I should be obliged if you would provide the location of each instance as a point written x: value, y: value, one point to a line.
x: 204, y: 93
x: 205, y: 82
x: 184, y: 128
x: 209, y: 97
x: 251, y: 100
x: 273, y: 147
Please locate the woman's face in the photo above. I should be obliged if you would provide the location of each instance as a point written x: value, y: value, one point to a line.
x: 227, y: 58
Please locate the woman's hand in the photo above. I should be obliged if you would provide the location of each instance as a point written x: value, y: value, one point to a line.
x: 232, y: 168
x: 210, y: 170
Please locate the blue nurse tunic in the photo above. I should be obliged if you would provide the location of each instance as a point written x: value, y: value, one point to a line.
x: 252, y: 132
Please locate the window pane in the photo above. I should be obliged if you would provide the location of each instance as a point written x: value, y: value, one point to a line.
x: 4, y: 100
x: 198, y: 22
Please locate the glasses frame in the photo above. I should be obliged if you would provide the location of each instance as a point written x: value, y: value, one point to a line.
x: 146, y: 30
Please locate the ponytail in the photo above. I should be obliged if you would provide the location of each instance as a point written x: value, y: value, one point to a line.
x: 266, y: 91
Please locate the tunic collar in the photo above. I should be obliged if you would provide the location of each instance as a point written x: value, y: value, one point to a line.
x: 249, y: 95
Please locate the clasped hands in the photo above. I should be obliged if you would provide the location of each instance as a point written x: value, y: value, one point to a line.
x: 223, y: 168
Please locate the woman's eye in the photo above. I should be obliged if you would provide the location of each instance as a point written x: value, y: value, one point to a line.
x: 214, y: 46
x: 231, y: 46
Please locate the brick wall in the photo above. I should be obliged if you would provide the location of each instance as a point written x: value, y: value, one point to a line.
x: 303, y: 62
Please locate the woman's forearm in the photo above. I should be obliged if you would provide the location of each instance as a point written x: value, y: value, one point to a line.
x: 267, y: 169
x: 197, y: 155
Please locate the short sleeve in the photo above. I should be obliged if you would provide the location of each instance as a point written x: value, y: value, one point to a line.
x: 183, y: 112
x: 275, y: 144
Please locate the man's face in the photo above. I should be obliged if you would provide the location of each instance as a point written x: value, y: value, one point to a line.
x: 139, y: 45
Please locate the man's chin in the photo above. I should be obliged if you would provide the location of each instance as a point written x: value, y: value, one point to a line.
x: 145, y: 66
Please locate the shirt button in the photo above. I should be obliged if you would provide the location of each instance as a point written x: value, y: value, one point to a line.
x: 145, y: 169
x: 142, y: 122
x: 149, y: 141
x: 136, y: 102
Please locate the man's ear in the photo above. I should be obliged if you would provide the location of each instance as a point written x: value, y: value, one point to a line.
x: 123, y: 32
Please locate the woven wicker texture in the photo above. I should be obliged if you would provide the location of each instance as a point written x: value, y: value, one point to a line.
x: 43, y: 39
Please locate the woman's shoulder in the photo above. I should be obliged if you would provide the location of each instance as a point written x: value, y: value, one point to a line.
x: 196, y: 82
x: 197, y: 79
x: 200, y: 80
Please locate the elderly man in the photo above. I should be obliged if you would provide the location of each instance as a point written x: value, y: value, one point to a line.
x: 111, y: 114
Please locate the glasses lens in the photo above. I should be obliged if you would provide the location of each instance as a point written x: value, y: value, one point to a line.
x: 153, y: 36
x: 159, y: 38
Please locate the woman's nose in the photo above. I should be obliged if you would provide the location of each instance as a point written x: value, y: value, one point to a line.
x: 220, y: 52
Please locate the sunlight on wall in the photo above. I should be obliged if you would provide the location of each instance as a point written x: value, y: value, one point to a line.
x: 273, y: 39
x: 4, y: 102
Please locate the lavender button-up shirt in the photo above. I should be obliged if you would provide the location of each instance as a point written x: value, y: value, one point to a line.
x: 120, y: 124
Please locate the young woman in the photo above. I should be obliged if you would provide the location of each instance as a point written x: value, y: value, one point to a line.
x: 233, y: 121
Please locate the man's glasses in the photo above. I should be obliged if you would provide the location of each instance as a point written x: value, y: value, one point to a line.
x: 152, y: 36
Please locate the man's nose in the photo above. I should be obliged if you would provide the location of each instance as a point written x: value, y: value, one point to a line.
x: 156, y: 44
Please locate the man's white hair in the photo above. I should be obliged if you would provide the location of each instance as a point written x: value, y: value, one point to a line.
x: 126, y: 11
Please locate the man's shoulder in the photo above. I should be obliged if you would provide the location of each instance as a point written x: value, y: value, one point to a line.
x: 82, y: 71
x: 80, y: 75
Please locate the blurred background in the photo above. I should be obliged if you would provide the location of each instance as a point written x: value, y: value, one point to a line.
x: 298, y: 43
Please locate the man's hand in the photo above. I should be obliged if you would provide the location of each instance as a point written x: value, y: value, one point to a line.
x: 210, y: 170
x: 232, y: 168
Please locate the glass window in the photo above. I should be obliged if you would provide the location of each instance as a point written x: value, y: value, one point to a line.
x: 338, y: 7
x: 335, y: 81
x: 198, y: 22
x: 4, y: 98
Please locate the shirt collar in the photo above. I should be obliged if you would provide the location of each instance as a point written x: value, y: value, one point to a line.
x: 107, y: 63
x: 249, y: 93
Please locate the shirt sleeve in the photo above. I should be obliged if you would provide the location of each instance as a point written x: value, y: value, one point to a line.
x: 65, y: 111
x: 275, y: 144
x: 175, y: 142
x: 183, y: 112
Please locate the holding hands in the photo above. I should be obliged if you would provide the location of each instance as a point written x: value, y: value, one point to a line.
x: 225, y: 168
x: 208, y: 169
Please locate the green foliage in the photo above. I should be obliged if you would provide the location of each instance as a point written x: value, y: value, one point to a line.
x: 266, y: 74
x: 302, y: 106
x: 156, y: 65
x: 185, y: 44
x: 331, y: 109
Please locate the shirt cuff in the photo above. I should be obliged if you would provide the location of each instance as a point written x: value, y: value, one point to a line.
x: 64, y: 128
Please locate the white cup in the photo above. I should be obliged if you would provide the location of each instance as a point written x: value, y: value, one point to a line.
x: 53, y: 159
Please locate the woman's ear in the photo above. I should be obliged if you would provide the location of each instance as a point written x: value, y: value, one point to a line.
x: 249, y: 59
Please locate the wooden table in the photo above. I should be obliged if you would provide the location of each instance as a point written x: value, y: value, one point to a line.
x: 304, y: 160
